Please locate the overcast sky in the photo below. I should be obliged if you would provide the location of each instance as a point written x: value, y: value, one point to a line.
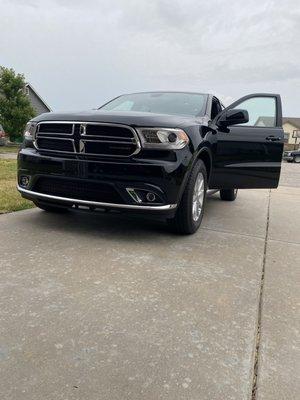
x: 80, y: 53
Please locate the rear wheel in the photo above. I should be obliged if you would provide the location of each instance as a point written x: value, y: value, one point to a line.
x: 50, y: 208
x: 190, y: 211
x: 297, y: 159
x: 228, y: 194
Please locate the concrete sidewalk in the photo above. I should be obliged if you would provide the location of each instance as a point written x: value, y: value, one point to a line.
x: 109, y: 307
x: 8, y: 156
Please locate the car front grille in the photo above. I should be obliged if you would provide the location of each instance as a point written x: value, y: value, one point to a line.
x: 57, y: 144
x: 87, y: 138
x: 56, y: 128
x: 78, y: 189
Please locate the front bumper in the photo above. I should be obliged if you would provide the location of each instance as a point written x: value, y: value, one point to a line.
x: 31, y: 195
x: 162, y: 177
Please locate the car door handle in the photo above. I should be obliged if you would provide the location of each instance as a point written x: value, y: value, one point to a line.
x: 272, y: 138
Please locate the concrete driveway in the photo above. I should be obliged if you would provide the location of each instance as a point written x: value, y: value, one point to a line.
x: 110, y: 307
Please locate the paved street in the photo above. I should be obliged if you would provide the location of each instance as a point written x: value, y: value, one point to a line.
x: 116, y: 308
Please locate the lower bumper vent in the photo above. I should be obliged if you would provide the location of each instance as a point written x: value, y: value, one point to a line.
x: 76, y: 189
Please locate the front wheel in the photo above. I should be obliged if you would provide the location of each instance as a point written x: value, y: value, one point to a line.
x: 228, y: 194
x: 190, y: 211
x: 297, y: 159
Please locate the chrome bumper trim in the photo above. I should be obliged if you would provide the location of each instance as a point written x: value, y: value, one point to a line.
x: 97, y: 203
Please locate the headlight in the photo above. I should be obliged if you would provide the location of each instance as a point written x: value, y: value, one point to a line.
x: 163, y: 138
x: 30, y: 129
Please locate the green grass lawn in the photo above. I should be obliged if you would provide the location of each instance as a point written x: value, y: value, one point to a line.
x: 10, y: 198
x: 9, y: 149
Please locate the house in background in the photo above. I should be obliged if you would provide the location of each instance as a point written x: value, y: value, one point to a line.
x: 39, y: 105
x: 291, y: 127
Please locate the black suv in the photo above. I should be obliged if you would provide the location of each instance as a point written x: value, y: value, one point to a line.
x: 154, y: 152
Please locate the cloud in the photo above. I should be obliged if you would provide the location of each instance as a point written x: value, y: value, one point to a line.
x: 79, y: 54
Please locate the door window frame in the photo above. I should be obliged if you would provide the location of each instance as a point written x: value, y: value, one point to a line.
x: 278, y: 108
x: 208, y: 111
x: 218, y: 103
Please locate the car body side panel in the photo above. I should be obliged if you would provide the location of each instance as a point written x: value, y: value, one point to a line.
x: 248, y: 156
x: 244, y: 159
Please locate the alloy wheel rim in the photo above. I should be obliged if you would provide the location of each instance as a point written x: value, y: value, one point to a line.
x: 198, y: 197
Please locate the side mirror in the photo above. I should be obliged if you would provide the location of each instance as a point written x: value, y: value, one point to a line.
x: 233, y: 117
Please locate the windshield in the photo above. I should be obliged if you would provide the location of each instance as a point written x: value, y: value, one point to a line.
x: 191, y: 104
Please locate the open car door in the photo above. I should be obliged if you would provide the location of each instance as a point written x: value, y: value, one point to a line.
x: 249, y: 154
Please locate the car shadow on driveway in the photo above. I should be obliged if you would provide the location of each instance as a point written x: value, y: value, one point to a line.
x: 247, y: 216
x: 99, y: 223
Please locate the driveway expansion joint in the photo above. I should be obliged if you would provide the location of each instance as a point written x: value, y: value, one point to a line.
x: 232, y: 233
x: 259, y: 311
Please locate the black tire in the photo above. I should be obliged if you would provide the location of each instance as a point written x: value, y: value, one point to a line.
x: 183, y: 222
x: 228, y: 194
x: 50, y: 208
x: 297, y: 159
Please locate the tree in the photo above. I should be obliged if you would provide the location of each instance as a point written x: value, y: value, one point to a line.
x: 15, y: 107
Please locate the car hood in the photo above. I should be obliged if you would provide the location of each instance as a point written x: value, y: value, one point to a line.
x: 126, y: 118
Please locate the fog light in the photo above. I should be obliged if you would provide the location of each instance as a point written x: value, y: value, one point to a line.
x: 150, y: 196
x: 24, y: 180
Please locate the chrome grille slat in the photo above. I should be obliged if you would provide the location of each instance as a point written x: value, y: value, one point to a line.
x: 43, y: 134
x: 106, y: 141
x: 108, y: 137
x: 51, y: 137
x: 122, y: 142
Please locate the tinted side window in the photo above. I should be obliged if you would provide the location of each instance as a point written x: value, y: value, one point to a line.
x: 261, y: 110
